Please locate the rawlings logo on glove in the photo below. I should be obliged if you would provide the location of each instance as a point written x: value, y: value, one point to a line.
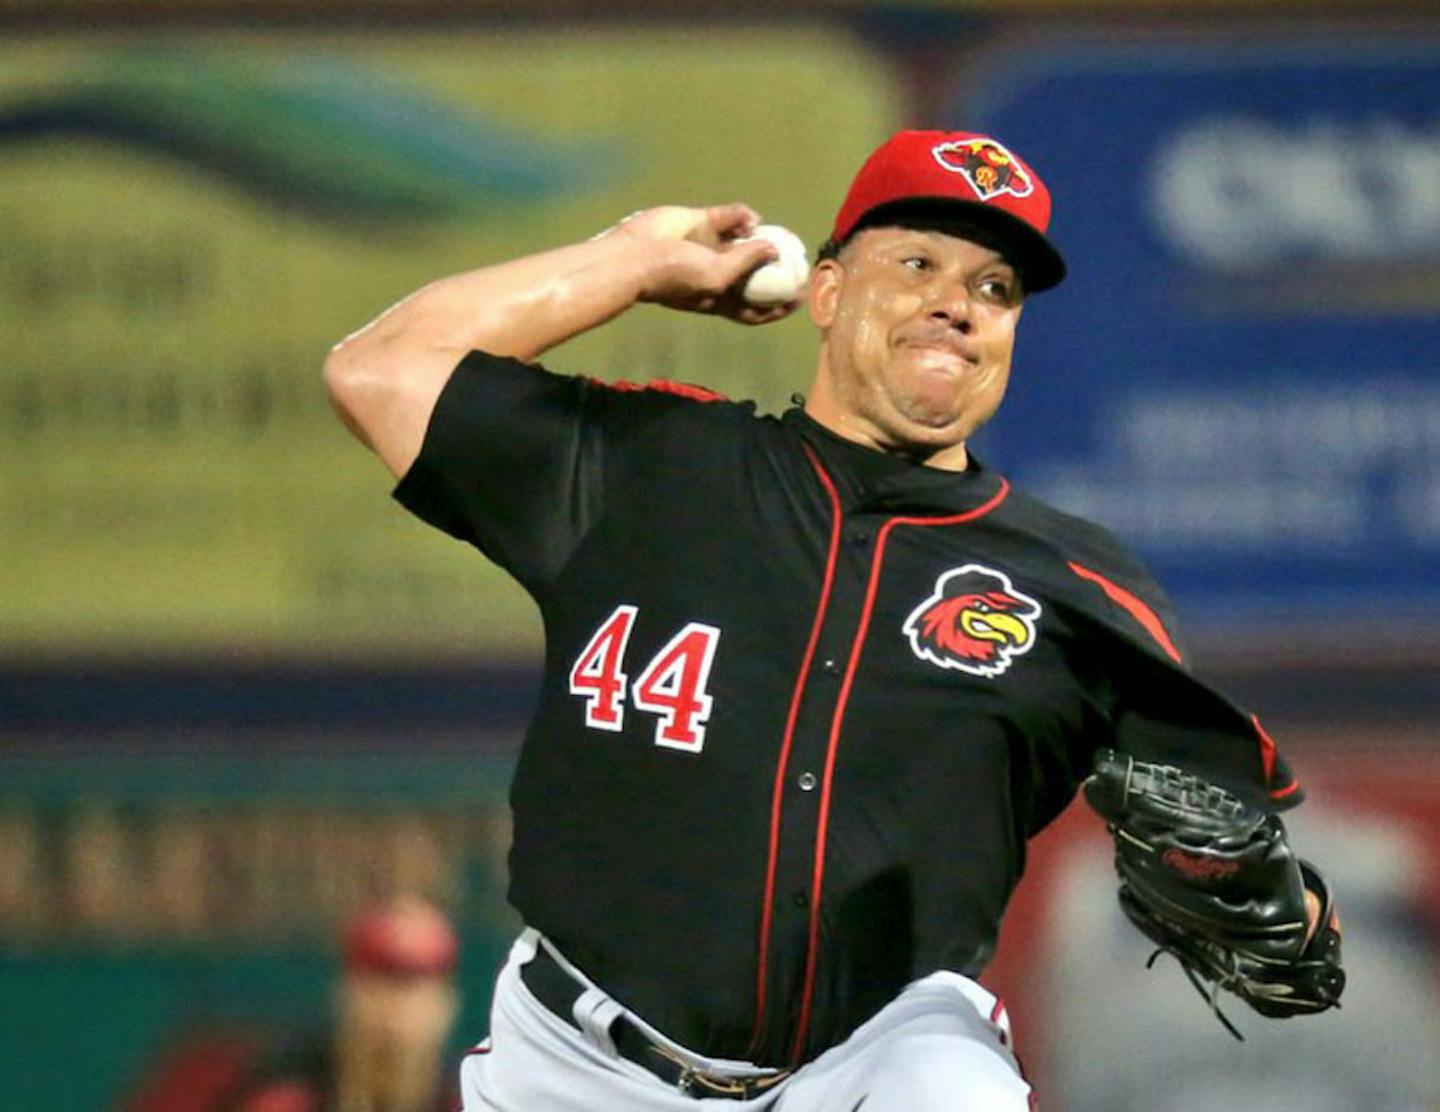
x: 1213, y: 881
x: 1197, y: 867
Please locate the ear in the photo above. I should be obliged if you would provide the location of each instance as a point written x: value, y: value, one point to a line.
x: 823, y: 293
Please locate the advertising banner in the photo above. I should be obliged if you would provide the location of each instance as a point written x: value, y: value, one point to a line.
x: 191, y: 906
x: 191, y: 218
x: 1240, y: 375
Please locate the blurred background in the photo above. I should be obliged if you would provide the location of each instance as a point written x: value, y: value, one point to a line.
x: 243, y: 696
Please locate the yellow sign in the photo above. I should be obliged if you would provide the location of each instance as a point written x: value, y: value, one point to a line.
x: 262, y: 872
x: 188, y: 225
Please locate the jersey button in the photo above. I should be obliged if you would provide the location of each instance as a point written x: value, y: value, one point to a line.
x: 807, y: 781
x: 800, y: 899
x: 830, y: 665
x: 859, y: 537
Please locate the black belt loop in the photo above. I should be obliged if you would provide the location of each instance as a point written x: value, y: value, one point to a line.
x: 557, y: 990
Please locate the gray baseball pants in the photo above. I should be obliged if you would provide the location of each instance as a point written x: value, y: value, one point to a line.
x: 942, y: 1045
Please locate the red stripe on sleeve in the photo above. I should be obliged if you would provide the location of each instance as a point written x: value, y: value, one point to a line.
x: 663, y: 386
x: 1133, y: 605
x: 1267, y: 762
x: 1267, y: 749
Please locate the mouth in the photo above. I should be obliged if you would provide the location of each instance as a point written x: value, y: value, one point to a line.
x: 940, y: 362
x: 943, y: 343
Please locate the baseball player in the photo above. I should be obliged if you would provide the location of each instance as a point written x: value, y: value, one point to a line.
x: 395, y: 1004
x: 811, y: 682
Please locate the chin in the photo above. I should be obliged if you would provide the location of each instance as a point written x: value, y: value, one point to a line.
x: 940, y: 426
x: 941, y: 411
x: 918, y: 439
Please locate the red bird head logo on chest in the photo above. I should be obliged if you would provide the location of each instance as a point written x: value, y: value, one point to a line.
x: 975, y: 621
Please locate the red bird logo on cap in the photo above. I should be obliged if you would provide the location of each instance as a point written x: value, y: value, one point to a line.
x: 989, y: 168
x: 975, y: 621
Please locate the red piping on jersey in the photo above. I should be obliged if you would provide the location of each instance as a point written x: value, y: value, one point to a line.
x: 662, y: 386
x: 1267, y: 749
x: 818, y: 879
x: 1136, y: 608
x: 1267, y: 761
x: 780, y: 770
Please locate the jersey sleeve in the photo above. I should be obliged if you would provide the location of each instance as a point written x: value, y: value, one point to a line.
x: 510, y: 464
x: 1157, y: 708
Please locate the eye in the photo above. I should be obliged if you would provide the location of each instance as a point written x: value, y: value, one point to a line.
x: 916, y: 262
x: 1003, y: 290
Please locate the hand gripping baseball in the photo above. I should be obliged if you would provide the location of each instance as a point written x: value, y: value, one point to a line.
x: 700, y: 259
x: 1213, y: 881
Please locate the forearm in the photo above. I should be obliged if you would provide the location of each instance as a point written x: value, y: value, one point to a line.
x: 385, y: 378
x: 520, y: 308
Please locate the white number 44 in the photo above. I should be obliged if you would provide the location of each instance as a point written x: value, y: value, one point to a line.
x: 671, y: 686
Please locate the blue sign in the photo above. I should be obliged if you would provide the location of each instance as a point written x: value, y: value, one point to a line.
x: 1241, y: 375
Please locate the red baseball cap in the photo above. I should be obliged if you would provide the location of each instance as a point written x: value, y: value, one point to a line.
x: 963, y: 178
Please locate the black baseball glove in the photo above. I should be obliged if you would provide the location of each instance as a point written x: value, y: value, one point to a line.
x: 1212, y: 880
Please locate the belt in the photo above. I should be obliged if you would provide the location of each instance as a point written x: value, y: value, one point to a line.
x: 558, y: 990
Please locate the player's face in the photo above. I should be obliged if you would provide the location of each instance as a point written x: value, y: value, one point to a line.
x: 918, y: 331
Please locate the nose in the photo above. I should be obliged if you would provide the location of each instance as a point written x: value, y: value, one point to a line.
x: 950, y: 304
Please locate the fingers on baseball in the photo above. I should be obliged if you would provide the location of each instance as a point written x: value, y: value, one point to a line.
x: 743, y: 259
x: 728, y: 268
x: 732, y: 221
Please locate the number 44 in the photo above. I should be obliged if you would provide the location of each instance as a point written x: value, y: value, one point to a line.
x: 672, y: 685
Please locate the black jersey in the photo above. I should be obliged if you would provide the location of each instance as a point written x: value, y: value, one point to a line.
x: 803, y: 702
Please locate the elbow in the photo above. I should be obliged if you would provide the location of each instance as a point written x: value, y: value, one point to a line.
x: 354, y: 384
x: 342, y: 376
x: 381, y: 397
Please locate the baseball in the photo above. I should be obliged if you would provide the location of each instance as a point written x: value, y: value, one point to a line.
x: 780, y: 282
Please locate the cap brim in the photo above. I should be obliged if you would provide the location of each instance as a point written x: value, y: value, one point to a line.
x: 1040, y: 264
